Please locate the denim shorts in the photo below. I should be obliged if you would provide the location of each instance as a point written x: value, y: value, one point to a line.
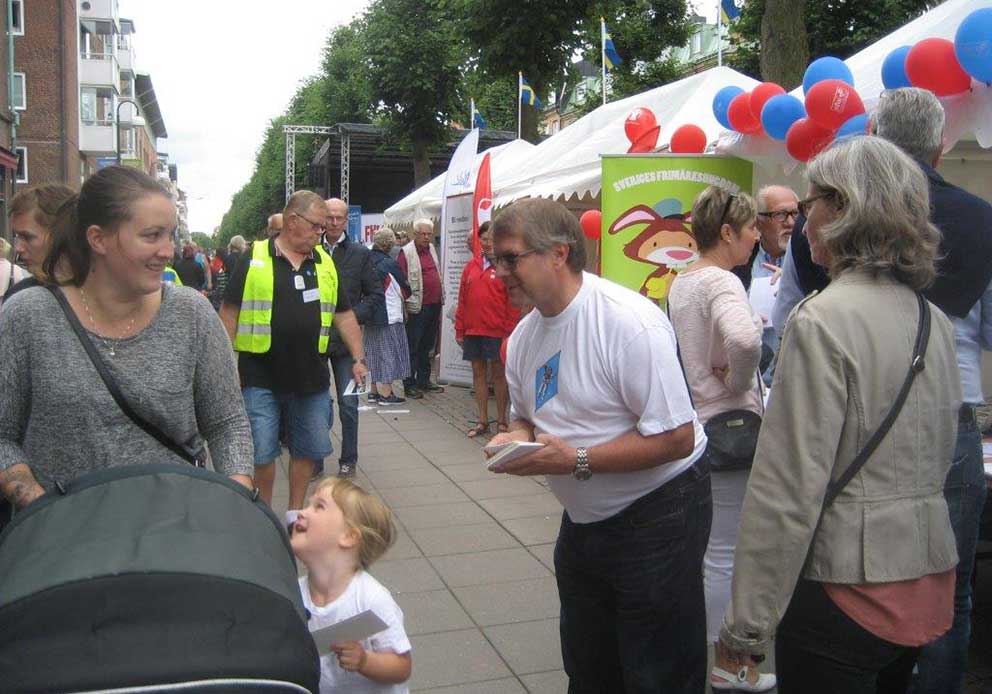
x: 306, y: 418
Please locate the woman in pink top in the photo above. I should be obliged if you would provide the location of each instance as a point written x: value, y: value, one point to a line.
x: 719, y: 338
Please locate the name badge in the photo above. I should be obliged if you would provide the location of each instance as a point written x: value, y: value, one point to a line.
x: 311, y: 295
x: 298, y: 282
x: 257, y: 263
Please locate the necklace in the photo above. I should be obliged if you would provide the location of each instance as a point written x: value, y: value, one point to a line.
x: 111, y: 346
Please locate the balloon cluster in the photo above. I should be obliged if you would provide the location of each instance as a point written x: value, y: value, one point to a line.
x: 642, y: 130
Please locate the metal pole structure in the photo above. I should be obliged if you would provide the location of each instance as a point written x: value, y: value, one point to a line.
x: 602, y: 53
x: 471, y: 118
x: 117, y: 124
x: 520, y: 102
x: 345, y: 166
x: 291, y: 131
x: 719, y: 34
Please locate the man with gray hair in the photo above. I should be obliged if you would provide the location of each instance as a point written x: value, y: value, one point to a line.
x: 423, y: 270
x: 594, y: 376
x: 913, y: 119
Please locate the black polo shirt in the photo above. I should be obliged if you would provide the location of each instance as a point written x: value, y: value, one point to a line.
x: 292, y: 364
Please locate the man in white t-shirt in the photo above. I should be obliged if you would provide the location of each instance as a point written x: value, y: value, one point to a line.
x: 594, y: 374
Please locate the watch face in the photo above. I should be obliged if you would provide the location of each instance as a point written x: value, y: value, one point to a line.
x: 582, y: 473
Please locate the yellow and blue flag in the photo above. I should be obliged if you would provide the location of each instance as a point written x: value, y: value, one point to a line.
x: 527, y: 94
x: 729, y: 11
x: 612, y: 58
x: 479, y: 121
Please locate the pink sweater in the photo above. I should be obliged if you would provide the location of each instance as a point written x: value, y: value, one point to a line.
x: 717, y: 328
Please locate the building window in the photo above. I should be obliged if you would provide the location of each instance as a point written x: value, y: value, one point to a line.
x: 127, y: 86
x: 697, y: 42
x: 17, y: 8
x: 20, y: 92
x: 22, y: 164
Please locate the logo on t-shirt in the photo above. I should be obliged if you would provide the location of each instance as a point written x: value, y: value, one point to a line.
x: 546, y: 382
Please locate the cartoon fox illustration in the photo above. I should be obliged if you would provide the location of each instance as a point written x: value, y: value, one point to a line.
x: 666, y: 242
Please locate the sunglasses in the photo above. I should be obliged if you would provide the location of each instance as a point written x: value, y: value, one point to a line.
x: 804, y: 205
x: 510, y: 260
x: 780, y: 215
x: 726, y: 208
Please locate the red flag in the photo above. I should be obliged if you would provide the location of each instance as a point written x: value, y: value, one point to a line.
x: 482, y: 204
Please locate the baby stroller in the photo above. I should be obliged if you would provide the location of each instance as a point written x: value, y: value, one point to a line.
x: 152, y: 578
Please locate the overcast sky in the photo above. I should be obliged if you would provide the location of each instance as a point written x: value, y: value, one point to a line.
x: 221, y: 70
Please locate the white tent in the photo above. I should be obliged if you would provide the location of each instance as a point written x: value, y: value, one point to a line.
x: 568, y: 163
x: 426, y: 200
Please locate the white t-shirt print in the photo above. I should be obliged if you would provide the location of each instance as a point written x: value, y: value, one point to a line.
x: 603, y: 367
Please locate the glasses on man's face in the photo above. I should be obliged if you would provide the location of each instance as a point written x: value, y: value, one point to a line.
x: 805, y: 205
x: 320, y: 227
x: 780, y: 215
x: 510, y: 260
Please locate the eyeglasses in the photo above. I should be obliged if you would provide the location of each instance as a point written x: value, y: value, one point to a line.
x: 726, y: 208
x: 780, y: 215
x: 510, y: 260
x: 804, y: 205
x: 321, y: 227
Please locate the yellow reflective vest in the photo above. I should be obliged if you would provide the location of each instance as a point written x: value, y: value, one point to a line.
x: 169, y: 274
x: 254, y: 332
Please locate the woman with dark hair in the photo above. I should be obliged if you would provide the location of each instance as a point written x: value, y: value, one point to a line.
x: 162, y: 344
x: 846, y: 555
x: 483, y: 318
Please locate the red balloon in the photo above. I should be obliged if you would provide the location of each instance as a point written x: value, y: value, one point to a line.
x: 646, y: 142
x: 688, y: 139
x: 806, y: 139
x: 831, y: 103
x: 740, y: 116
x: 931, y: 64
x: 638, y: 122
x: 760, y: 96
x: 592, y: 224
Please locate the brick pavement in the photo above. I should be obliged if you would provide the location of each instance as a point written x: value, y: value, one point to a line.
x: 472, y: 568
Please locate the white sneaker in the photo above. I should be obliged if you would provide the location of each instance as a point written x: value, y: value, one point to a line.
x: 739, y: 682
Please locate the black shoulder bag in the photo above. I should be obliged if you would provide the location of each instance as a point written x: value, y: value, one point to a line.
x: 198, y: 460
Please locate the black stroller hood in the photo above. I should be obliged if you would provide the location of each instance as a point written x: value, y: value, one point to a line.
x: 151, y: 578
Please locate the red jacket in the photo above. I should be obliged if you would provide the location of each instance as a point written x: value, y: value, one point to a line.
x: 483, y: 307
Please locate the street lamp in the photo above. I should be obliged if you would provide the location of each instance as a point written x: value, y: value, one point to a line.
x: 137, y: 121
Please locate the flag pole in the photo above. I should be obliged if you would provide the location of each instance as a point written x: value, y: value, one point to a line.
x: 471, y: 118
x: 602, y: 50
x: 520, y: 101
x: 719, y: 33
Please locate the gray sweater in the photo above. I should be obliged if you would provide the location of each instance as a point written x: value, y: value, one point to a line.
x: 57, y: 416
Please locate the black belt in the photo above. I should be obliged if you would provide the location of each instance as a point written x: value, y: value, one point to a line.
x: 966, y: 415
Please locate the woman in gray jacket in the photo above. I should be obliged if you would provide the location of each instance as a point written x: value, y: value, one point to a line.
x: 852, y: 595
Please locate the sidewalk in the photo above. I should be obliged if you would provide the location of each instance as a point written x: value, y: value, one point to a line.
x: 472, y: 568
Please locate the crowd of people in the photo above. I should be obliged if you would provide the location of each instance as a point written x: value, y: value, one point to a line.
x: 833, y: 517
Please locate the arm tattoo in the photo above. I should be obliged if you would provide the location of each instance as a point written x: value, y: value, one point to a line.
x: 18, y: 485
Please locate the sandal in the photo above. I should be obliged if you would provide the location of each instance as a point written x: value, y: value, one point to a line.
x: 478, y: 429
x: 739, y: 682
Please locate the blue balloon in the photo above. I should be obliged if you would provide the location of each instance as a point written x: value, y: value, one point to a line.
x: 858, y: 125
x: 827, y: 68
x: 894, y: 69
x: 973, y: 44
x: 779, y: 113
x: 721, y: 102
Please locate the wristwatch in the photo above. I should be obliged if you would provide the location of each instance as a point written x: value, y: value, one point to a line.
x: 582, y: 472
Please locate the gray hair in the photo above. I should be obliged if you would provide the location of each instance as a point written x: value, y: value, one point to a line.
x: 912, y: 119
x: 544, y: 224
x: 761, y: 199
x: 706, y: 211
x: 237, y: 243
x: 883, y: 222
x: 384, y: 239
x: 423, y: 222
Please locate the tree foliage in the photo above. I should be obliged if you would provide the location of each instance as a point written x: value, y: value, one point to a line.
x: 205, y: 241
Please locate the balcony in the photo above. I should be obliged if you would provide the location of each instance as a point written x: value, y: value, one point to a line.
x: 96, y: 138
x: 125, y: 59
x: 99, y: 70
x: 98, y: 9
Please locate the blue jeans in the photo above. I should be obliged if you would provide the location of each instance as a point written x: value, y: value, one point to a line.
x: 942, y: 663
x: 633, y: 615
x: 421, y: 334
x: 306, y: 418
x: 347, y: 409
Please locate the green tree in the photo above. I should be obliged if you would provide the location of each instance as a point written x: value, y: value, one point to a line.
x: 415, y: 62
x: 839, y: 28
x: 205, y: 241
x: 495, y: 98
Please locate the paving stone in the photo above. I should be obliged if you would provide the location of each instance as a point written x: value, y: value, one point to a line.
x: 436, y: 542
x: 378, y: 451
x: 504, y: 603
x: 407, y: 575
x: 545, y: 554
x: 466, y: 472
x: 386, y: 435
x: 486, y: 568
x: 528, y: 646
x: 452, y: 434
x: 407, y: 477
x: 442, y: 515
x: 443, y: 447
x: 454, y: 657
x: 431, y: 611
x: 444, y: 493
x: 508, y: 685
x: 535, y: 530
x: 404, y: 548
x: 554, y: 682
x: 507, y: 508
x: 500, y: 486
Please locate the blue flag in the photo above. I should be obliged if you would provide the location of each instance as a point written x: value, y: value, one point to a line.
x: 479, y: 121
x: 528, y: 95
x: 613, y: 58
x: 729, y: 10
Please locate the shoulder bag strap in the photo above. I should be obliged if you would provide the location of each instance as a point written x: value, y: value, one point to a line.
x: 115, y: 391
x: 916, y: 366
